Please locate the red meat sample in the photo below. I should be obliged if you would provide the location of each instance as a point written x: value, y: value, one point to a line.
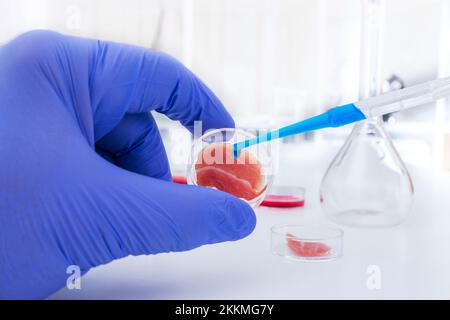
x: 217, y: 167
x: 306, y: 248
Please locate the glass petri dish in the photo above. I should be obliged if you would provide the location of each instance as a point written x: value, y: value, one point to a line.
x: 307, y: 243
x: 213, y: 165
x: 285, y: 197
x: 179, y: 179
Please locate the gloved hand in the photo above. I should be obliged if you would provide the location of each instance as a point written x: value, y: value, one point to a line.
x: 84, y: 177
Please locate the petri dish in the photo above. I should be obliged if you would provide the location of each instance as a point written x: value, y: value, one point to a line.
x: 307, y: 243
x: 213, y: 165
x: 179, y: 179
x: 285, y: 197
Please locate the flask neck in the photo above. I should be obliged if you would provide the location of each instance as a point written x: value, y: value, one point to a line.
x: 370, y: 122
x: 375, y: 120
x: 370, y: 126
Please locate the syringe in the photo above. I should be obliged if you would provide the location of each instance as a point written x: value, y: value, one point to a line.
x: 397, y: 100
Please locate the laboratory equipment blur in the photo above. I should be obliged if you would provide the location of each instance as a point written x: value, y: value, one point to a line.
x: 212, y: 164
x: 369, y: 108
x: 367, y: 183
x: 306, y: 58
x: 307, y: 243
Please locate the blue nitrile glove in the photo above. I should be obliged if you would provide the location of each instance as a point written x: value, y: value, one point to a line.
x: 66, y: 106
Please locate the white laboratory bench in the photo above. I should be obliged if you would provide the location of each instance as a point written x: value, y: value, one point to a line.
x: 413, y: 259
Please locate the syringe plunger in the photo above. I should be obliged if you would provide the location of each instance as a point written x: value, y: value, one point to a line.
x: 405, y: 98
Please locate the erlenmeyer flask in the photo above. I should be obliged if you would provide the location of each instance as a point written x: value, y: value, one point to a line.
x: 367, y: 184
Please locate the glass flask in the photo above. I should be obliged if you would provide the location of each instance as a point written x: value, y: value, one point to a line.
x: 367, y: 184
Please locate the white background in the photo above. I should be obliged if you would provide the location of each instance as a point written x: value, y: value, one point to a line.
x: 273, y: 61
x: 413, y: 258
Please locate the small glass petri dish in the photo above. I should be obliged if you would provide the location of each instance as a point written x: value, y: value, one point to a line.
x: 179, y: 179
x: 285, y: 197
x: 213, y: 165
x: 307, y: 243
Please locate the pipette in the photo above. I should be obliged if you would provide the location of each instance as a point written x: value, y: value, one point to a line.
x: 397, y: 100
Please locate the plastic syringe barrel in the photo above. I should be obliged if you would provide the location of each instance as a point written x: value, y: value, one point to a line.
x: 405, y: 98
x: 375, y: 106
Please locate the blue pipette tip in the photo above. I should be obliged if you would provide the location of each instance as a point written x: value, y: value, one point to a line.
x: 335, y: 117
x: 236, y: 150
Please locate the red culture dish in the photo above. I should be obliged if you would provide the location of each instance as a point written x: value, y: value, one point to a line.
x: 283, y: 201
